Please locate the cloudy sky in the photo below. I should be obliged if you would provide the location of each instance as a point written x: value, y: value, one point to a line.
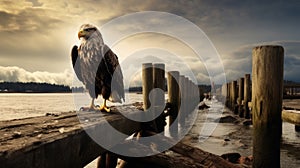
x: 37, y: 36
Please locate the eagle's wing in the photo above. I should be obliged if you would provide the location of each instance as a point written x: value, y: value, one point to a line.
x: 76, y: 62
x: 112, y: 64
x: 97, y: 66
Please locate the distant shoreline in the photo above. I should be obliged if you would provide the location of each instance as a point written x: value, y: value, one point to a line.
x: 1, y: 92
x: 33, y: 87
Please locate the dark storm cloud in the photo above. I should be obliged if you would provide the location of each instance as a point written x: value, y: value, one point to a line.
x: 5, y: 19
x: 239, y: 62
x: 26, y: 20
x: 26, y: 36
x: 37, y: 34
x: 25, y: 32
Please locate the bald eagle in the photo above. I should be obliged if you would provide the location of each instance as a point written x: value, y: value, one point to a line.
x: 97, y: 67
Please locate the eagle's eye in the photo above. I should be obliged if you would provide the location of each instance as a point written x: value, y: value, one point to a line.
x: 90, y: 29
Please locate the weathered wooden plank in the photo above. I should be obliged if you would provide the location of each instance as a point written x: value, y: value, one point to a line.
x: 291, y: 104
x: 59, y: 140
x: 161, y: 160
x: 291, y: 116
x: 204, y: 158
x: 290, y: 112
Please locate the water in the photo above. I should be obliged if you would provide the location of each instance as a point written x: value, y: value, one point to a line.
x: 20, y: 105
x: 15, y: 105
x: 23, y: 105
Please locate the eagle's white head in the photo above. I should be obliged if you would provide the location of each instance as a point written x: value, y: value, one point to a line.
x: 88, y: 31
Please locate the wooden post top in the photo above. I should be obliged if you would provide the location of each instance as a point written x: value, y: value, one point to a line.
x: 268, y: 46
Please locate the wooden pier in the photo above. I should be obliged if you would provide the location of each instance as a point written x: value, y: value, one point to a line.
x: 62, y: 140
x: 263, y: 97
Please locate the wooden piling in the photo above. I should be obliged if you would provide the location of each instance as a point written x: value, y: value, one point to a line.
x: 230, y: 95
x: 159, y: 101
x: 227, y: 103
x: 267, y: 89
x: 173, y: 98
x: 196, y: 94
x: 233, y: 94
x: 147, y: 78
x: 247, y: 95
x: 192, y: 94
x: 107, y: 160
x: 189, y: 97
x: 148, y: 86
x: 182, y: 100
x: 241, y: 97
x: 235, y: 97
x: 224, y: 93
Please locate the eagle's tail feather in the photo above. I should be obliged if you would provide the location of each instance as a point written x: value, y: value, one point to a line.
x: 114, y: 97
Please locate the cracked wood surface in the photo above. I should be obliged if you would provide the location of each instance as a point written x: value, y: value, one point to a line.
x: 59, y: 140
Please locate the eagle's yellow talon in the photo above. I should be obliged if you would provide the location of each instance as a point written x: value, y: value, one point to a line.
x: 104, y: 108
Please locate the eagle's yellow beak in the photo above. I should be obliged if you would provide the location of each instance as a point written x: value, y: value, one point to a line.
x: 81, y: 33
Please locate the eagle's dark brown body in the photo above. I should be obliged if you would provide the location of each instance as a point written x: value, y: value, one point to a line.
x: 97, y: 66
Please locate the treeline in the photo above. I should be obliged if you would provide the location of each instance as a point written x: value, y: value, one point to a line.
x: 135, y: 89
x: 289, y: 82
x: 32, y: 87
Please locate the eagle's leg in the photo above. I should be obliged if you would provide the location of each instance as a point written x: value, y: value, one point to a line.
x: 92, y: 106
x: 103, y: 107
